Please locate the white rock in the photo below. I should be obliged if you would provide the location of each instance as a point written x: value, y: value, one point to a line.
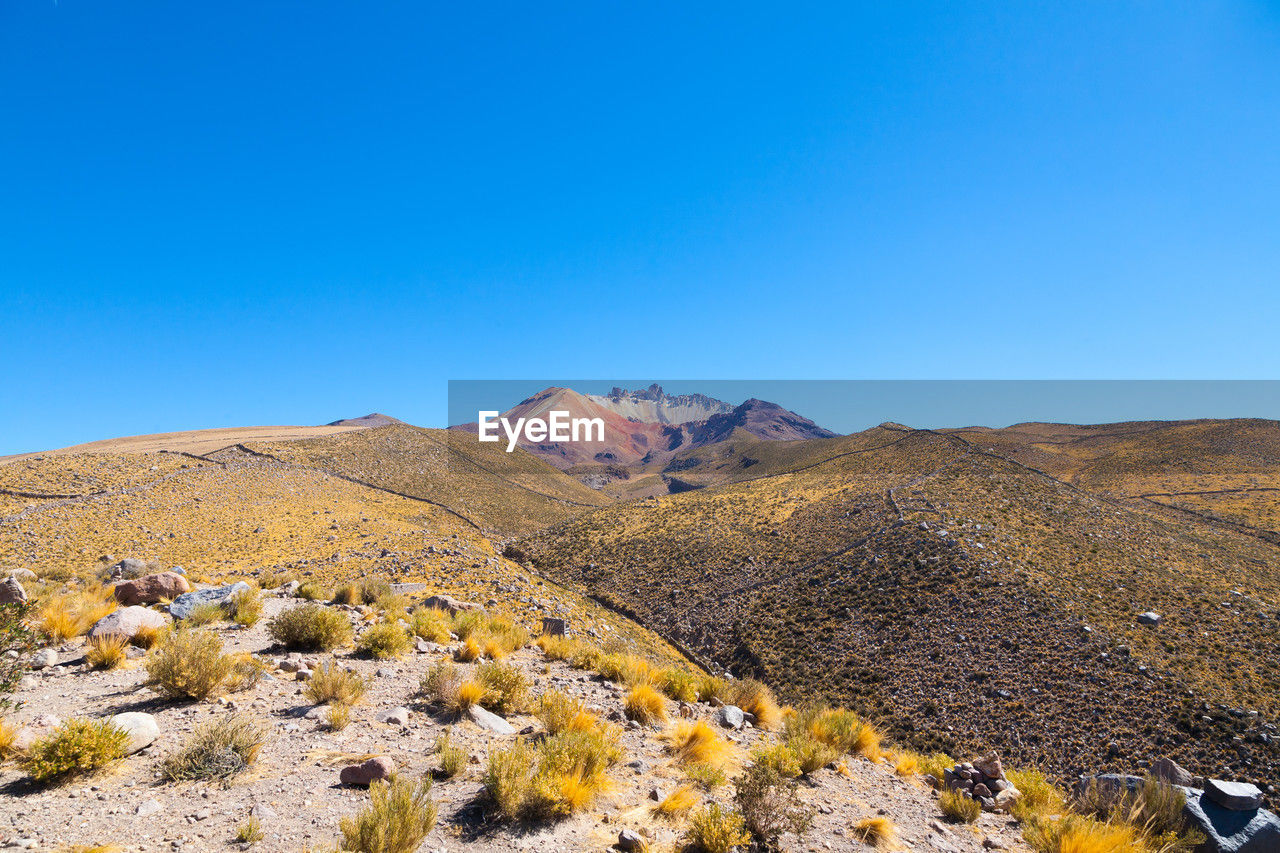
x: 141, y: 728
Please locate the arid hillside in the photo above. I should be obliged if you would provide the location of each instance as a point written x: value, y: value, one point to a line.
x: 959, y: 595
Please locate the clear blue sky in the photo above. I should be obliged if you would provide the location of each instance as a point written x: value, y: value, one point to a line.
x: 227, y: 213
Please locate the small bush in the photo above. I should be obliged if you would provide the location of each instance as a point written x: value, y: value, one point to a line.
x: 678, y: 684
x: 557, y: 648
x: 1038, y: 796
x: 337, y: 717
x: 708, y: 777
x: 190, y: 665
x: 1080, y: 834
x: 149, y: 636
x: 383, y: 641
x: 781, y: 759
x: 205, y: 614
x: 558, y: 713
x: 698, y: 743
x: 106, y: 652
x: 506, y: 634
x: 678, y: 803
x: 716, y: 830
x: 440, y: 684
x: 453, y: 759
x: 430, y: 624
x: 624, y: 669
x: 506, y: 689
x: 16, y: 639
x: 312, y: 591
x: 906, y: 764
x: 564, y: 774
x: 217, y: 750
x: 508, y: 778
x: 645, y: 705
x: 712, y: 687
x: 348, y: 594
x: 469, y: 650
x: 246, y: 607
x: 936, y: 765
x: 398, y: 817
x: 77, y: 746
x: 373, y: 590
x: 752, y: 696
x: 811, y: 754
x: 8, y: 736
x: 331, y: 684
x: 876, y: 831
x: 249, y: 832
x: 586, y: 656
x: 468, y: 624
x: 246, y: 671
x: 770, y: 805
x: 310, y: 627
x: 959, y: 808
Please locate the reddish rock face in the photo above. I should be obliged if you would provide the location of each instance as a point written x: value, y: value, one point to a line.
x: 152, y: 588
x: 367, y: 772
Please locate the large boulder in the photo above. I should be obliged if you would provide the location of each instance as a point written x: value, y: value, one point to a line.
x: 1229, y: 830
x: 450, y: 604
x: 152, y: 588
x: 11, y: 592
x: 366, y: 772
x: 184, y: 604
x: 127, y: 622
x: 730, y: 716
x: 141, y: 728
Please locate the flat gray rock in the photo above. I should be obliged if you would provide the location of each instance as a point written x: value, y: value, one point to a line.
x: 1237, y: 796
x: 486, y: 720
x: 184, y: 604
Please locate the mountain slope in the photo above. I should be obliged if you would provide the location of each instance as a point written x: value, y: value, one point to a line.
x: 955, y: 593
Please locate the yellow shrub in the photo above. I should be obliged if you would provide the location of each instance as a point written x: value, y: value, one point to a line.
x: 72, y: 614
x: 876, y: 831
x: 645, y: 705
x: 906, y: 764
x: 959, y: 808
x: 469, y: 651
x: 189, y: 665
x: 1038, y: 797
x: 677, y: 683
x: 77, y: 746
x: 106, y: 651
x: 1078, y: 834
x: 384, y: 641
x: 431, y: 624
x: 716, y: 830
x: 8, y: 735
x: 469, y: 693
x: 396, y: 819
x: 149, y: 636
x: 559, y: 713
x: 330, y: 684
x: 678, y: 803
x: 752, y: 696
x: 698, y: 743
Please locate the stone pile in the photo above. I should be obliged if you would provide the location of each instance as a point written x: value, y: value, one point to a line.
x: 983, y: 780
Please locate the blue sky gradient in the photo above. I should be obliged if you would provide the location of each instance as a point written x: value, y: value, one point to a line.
x: 278, y: 212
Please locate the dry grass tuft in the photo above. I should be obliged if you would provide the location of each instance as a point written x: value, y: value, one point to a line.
x: 148, y: 637
x: 217, y: 750
x: 506, y: 688
x: 876, y: 831
x: 957, y: 807
x: 397, y: 818
x: 72, y: 614
x: 384, y: 641
x: 716, y: 830
x: 469, y: 693
x: 645, y: 705
x: 330, y: 684
x: 678, y: 803
x: 190, y: 665
x: 430, y: 624
x: 696, y: 743
x: 106, y: 652
x: 754, y: 697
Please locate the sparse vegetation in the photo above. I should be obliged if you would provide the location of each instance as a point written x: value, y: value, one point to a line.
x: 559, y: 713
x: 770, y: 805
x: 217, y: 750
x: 330, y: 684
x: 645, y: 705
x: 453, y: 759
x: 678, y: 803
x: 430, y: 624
x: 106, y: 651
x: 958, y: 808
x: 384, y: 641
x: 205, y: 614
x: 563, y: 774
x: 713, y: 829
x: 312, y: 591
x: 72, y: 614
x: 190, y: 665
x: 440, y: 685
x: 397, y: 818
x: 697, y: 745
x: 249, y: 832
x: 246, y: 607
x: 310, y: 627
x: 876, y: 831
x: 337, y: 717
x: 506, y: 690
x: 76, y: 747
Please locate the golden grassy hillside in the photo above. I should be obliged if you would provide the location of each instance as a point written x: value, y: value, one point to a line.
x: 956, y: 594
x: 256, y: 517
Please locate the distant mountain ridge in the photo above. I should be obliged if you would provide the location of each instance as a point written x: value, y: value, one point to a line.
x: 645, y: 428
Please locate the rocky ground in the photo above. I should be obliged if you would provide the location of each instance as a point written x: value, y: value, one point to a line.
x: 294, y: 789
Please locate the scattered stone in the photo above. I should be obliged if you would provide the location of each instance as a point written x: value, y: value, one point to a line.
x: 989, y: 765
x: 487, y: 720
x: 141, y: 728
x: 183, y: 605
x: 148, y: 807
x: 152, y: 588
x: 43, y: 658
x: 730, y: 716
x: 303, y: 674
x: 450, y: 604
x: 373, y: 770
x: 262, y: 811
x: 129, y: 567
x: 1237, y: 796
x: 554, y: 627
x: 629, y: 839
x: 1168, y: 770
x: 1149, y: 618
x: 395, y: 717
x: 23, y: 574
x: 127, y: 622
x: 11, y: 592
